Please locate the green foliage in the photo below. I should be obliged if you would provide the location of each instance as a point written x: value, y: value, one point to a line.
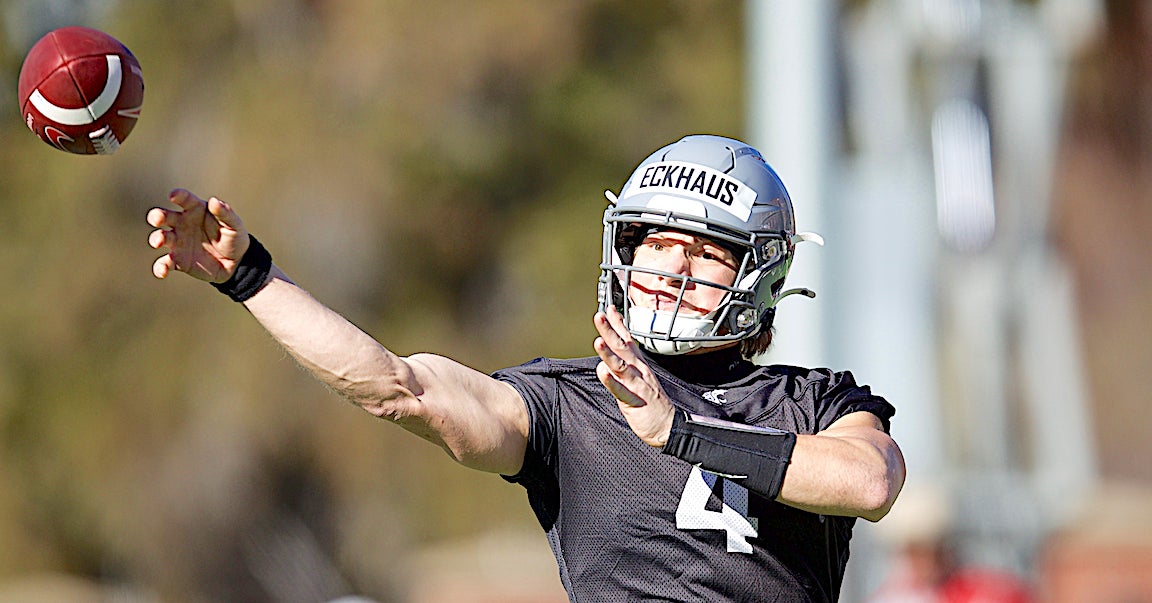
x: 434, y: 170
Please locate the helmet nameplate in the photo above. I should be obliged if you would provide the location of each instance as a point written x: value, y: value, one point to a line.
x: 697, y: 182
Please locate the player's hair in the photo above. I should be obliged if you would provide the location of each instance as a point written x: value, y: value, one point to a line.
x: 757, y: 344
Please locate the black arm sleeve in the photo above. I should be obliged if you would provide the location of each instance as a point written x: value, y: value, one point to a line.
x: 756, y: 457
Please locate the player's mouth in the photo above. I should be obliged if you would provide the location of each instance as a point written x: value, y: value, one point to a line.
x: 664, y: 301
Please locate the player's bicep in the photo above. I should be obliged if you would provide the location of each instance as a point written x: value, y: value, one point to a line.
x: 480, y: 421
x: 877, y: 458
x: 855, y: 420
x: 864, y: 430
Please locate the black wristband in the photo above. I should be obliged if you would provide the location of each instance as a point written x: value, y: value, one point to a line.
x: 755, y: 457
x: 251, y: 274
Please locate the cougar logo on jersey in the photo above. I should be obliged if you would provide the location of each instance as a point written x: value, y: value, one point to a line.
x: 697, y: 182
x: 716, y: 396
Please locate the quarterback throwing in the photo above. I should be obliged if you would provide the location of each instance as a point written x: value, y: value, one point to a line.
x: 666, y: 465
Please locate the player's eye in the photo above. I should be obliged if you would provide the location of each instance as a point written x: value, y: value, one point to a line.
x: 715, y: 255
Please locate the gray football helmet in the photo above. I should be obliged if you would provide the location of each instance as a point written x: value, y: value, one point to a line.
x: 719, y: 188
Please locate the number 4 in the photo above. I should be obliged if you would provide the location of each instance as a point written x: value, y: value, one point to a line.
x: 692, y: 514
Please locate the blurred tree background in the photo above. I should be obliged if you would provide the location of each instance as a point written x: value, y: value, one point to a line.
x: 432, y: 169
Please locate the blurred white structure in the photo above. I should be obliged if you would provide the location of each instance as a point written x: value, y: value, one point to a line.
x: 791, y: 117
x: 918, y: 137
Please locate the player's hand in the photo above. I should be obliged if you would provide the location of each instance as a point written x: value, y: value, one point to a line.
x: 629, y: 379
x: 205, y: 239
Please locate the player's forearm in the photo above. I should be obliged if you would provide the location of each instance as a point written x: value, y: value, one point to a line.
x: 334, y: 350
x: 478, y: 421
x: 853, y: 472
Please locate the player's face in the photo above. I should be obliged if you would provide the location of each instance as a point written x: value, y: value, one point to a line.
x: 681, y: 254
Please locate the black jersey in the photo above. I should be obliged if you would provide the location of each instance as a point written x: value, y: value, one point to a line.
x: 628, y: 523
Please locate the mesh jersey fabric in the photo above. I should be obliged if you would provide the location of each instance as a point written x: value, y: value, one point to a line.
x: 610, y: 504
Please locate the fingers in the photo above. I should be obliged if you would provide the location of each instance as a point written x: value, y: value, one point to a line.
x: 616, y: 387
x: 198, y: 234
x: 184, y: 199
x: 611, y: 327
x: 619, y: 368
x: 187, y: 201
x: 625, y: 373
x: 162, y: 266
x: 157, y: 217
x: 617, y: 321
x: 224, y: 214
x: 615, y: 340
x: 164, y: 218
x: 611, y: 360
x: 609, y: 345
x: 161, y: 238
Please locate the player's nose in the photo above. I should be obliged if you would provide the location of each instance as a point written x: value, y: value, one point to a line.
x: 677, y: 261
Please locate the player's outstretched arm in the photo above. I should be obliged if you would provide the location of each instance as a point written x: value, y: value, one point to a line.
x: 479, y: 421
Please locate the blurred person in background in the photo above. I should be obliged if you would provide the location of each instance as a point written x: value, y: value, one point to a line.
x: 667, y: 466
x: 926, y: 567
x: 917, y: 531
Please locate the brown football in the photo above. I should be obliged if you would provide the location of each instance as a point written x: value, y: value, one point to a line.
x: 81, y: 90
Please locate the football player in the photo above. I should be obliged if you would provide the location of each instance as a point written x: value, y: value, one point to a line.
x: 668, y: 466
